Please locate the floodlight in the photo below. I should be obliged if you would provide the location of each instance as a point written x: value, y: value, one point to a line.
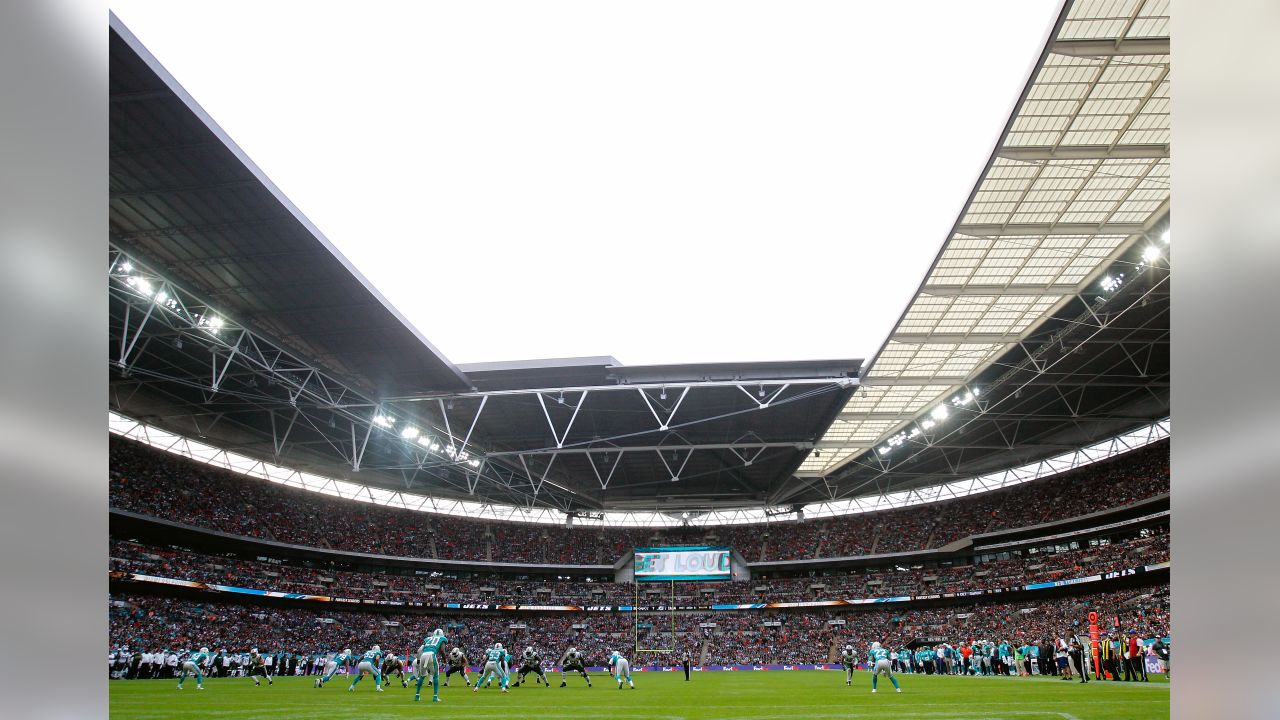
x: 215, y: 322
x: 927, y: 424
x: 409, y: 432
x: 383, y: 420
x: 940, y: 413
x: 1151, y: 254
x: 915, y: 431
x: 162, y: 296
x: 1165, y: 237
x: 127, y: 266
x: 883, y: 449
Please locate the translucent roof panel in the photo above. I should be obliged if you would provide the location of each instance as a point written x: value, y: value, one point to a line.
x: 1079, y: 176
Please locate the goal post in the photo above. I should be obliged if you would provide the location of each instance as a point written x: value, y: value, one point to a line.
x: 655, y: 630
x: 663, y: 567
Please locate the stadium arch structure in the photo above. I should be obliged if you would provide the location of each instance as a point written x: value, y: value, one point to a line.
x: 1040, y: 330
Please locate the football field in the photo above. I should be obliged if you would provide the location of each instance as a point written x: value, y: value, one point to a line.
x: 768, y: 695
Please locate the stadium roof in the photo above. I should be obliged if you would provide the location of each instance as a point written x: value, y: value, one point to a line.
x: 185, y: 197
x: 1077, y: 187
x: 233, y: 321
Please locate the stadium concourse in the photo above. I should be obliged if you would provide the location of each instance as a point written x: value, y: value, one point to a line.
x: 301, y: 484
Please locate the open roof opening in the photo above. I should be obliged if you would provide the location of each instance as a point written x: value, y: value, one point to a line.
x: 550, y: 181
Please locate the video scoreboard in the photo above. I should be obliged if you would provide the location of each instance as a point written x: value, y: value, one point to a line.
x: 682, y: 563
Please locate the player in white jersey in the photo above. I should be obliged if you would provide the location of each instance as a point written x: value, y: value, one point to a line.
x: 457, y: 664
x: 531, y: 662
x: 257, y: 668
x: 621, y: 669
x: 878, y: 657
x: 848, y: 660
x: 573, y: 660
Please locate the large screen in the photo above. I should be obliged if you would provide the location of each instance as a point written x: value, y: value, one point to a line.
x: 682, y: 563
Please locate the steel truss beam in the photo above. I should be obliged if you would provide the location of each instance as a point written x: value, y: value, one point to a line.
x: 1111, y: 47
x: 297, y: 393
x: 1039, y: 229
x: 1042, y: 153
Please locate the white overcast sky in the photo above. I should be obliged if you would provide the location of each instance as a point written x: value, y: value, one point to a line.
x: 663, y: 182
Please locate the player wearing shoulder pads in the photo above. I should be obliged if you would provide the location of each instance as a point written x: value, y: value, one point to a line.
x: 331, y: 667
x: 621, y: 669
x: 878, y: 659
x: 393, y: 664
x: 191, y: 666
x: 495, y: 664
x: 848, y: 660
x: 257, y: 669
x: 370, y: 664
x: 573, y: 660
x: 531, y: 662
x: 457, y: 664
x: 429, y: 662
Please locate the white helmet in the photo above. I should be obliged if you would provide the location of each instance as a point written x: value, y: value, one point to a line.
x: 254, y: 651
x: 875, y: 646
x: 204, y: 649
x: 376, y: 648
x: 346, y: 651
x: 437, y: 632
x: 849, y: 648
x: 573, y: 650
x: 497, y: 646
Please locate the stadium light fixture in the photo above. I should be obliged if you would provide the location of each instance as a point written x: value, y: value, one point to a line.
x: 409, y: 432
x: 383, y: 421
x: 883, y: 449
x: 940, y: 413
x: 215, y: 322
x: 927, y: 424
x: 1110, y: 283
x: 915, y: 431
x: 1165, y: 237
x: 1151, y: 254
x: 127, y: 266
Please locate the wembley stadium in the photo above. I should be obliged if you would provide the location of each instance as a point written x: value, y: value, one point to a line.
x: 303, y: 488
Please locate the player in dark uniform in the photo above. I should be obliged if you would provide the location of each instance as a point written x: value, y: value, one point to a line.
x: 849, y: 661
x: 393, y: 664
x: 531, y: 662
x: 574, y: 661
x: 257, y: 668
x: 457, y: 664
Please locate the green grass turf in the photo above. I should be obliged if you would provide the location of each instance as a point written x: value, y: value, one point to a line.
x: 766, y: 695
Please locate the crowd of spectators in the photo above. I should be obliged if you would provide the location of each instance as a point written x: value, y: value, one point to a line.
x: 280, y: 576
x: 152, y: 482
x: 150, y: 622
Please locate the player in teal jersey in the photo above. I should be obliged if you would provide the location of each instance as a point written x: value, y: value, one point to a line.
x: 429, y: 662
x: 369, y: 664
x: 621, y: 669
x: 191, y: 666
x: 878, y: 658
x: 331, y: 667
x: 495, y: 663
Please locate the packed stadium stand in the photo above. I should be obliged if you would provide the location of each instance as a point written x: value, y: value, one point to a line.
x: 162, y: 485
x: 736, y: 638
